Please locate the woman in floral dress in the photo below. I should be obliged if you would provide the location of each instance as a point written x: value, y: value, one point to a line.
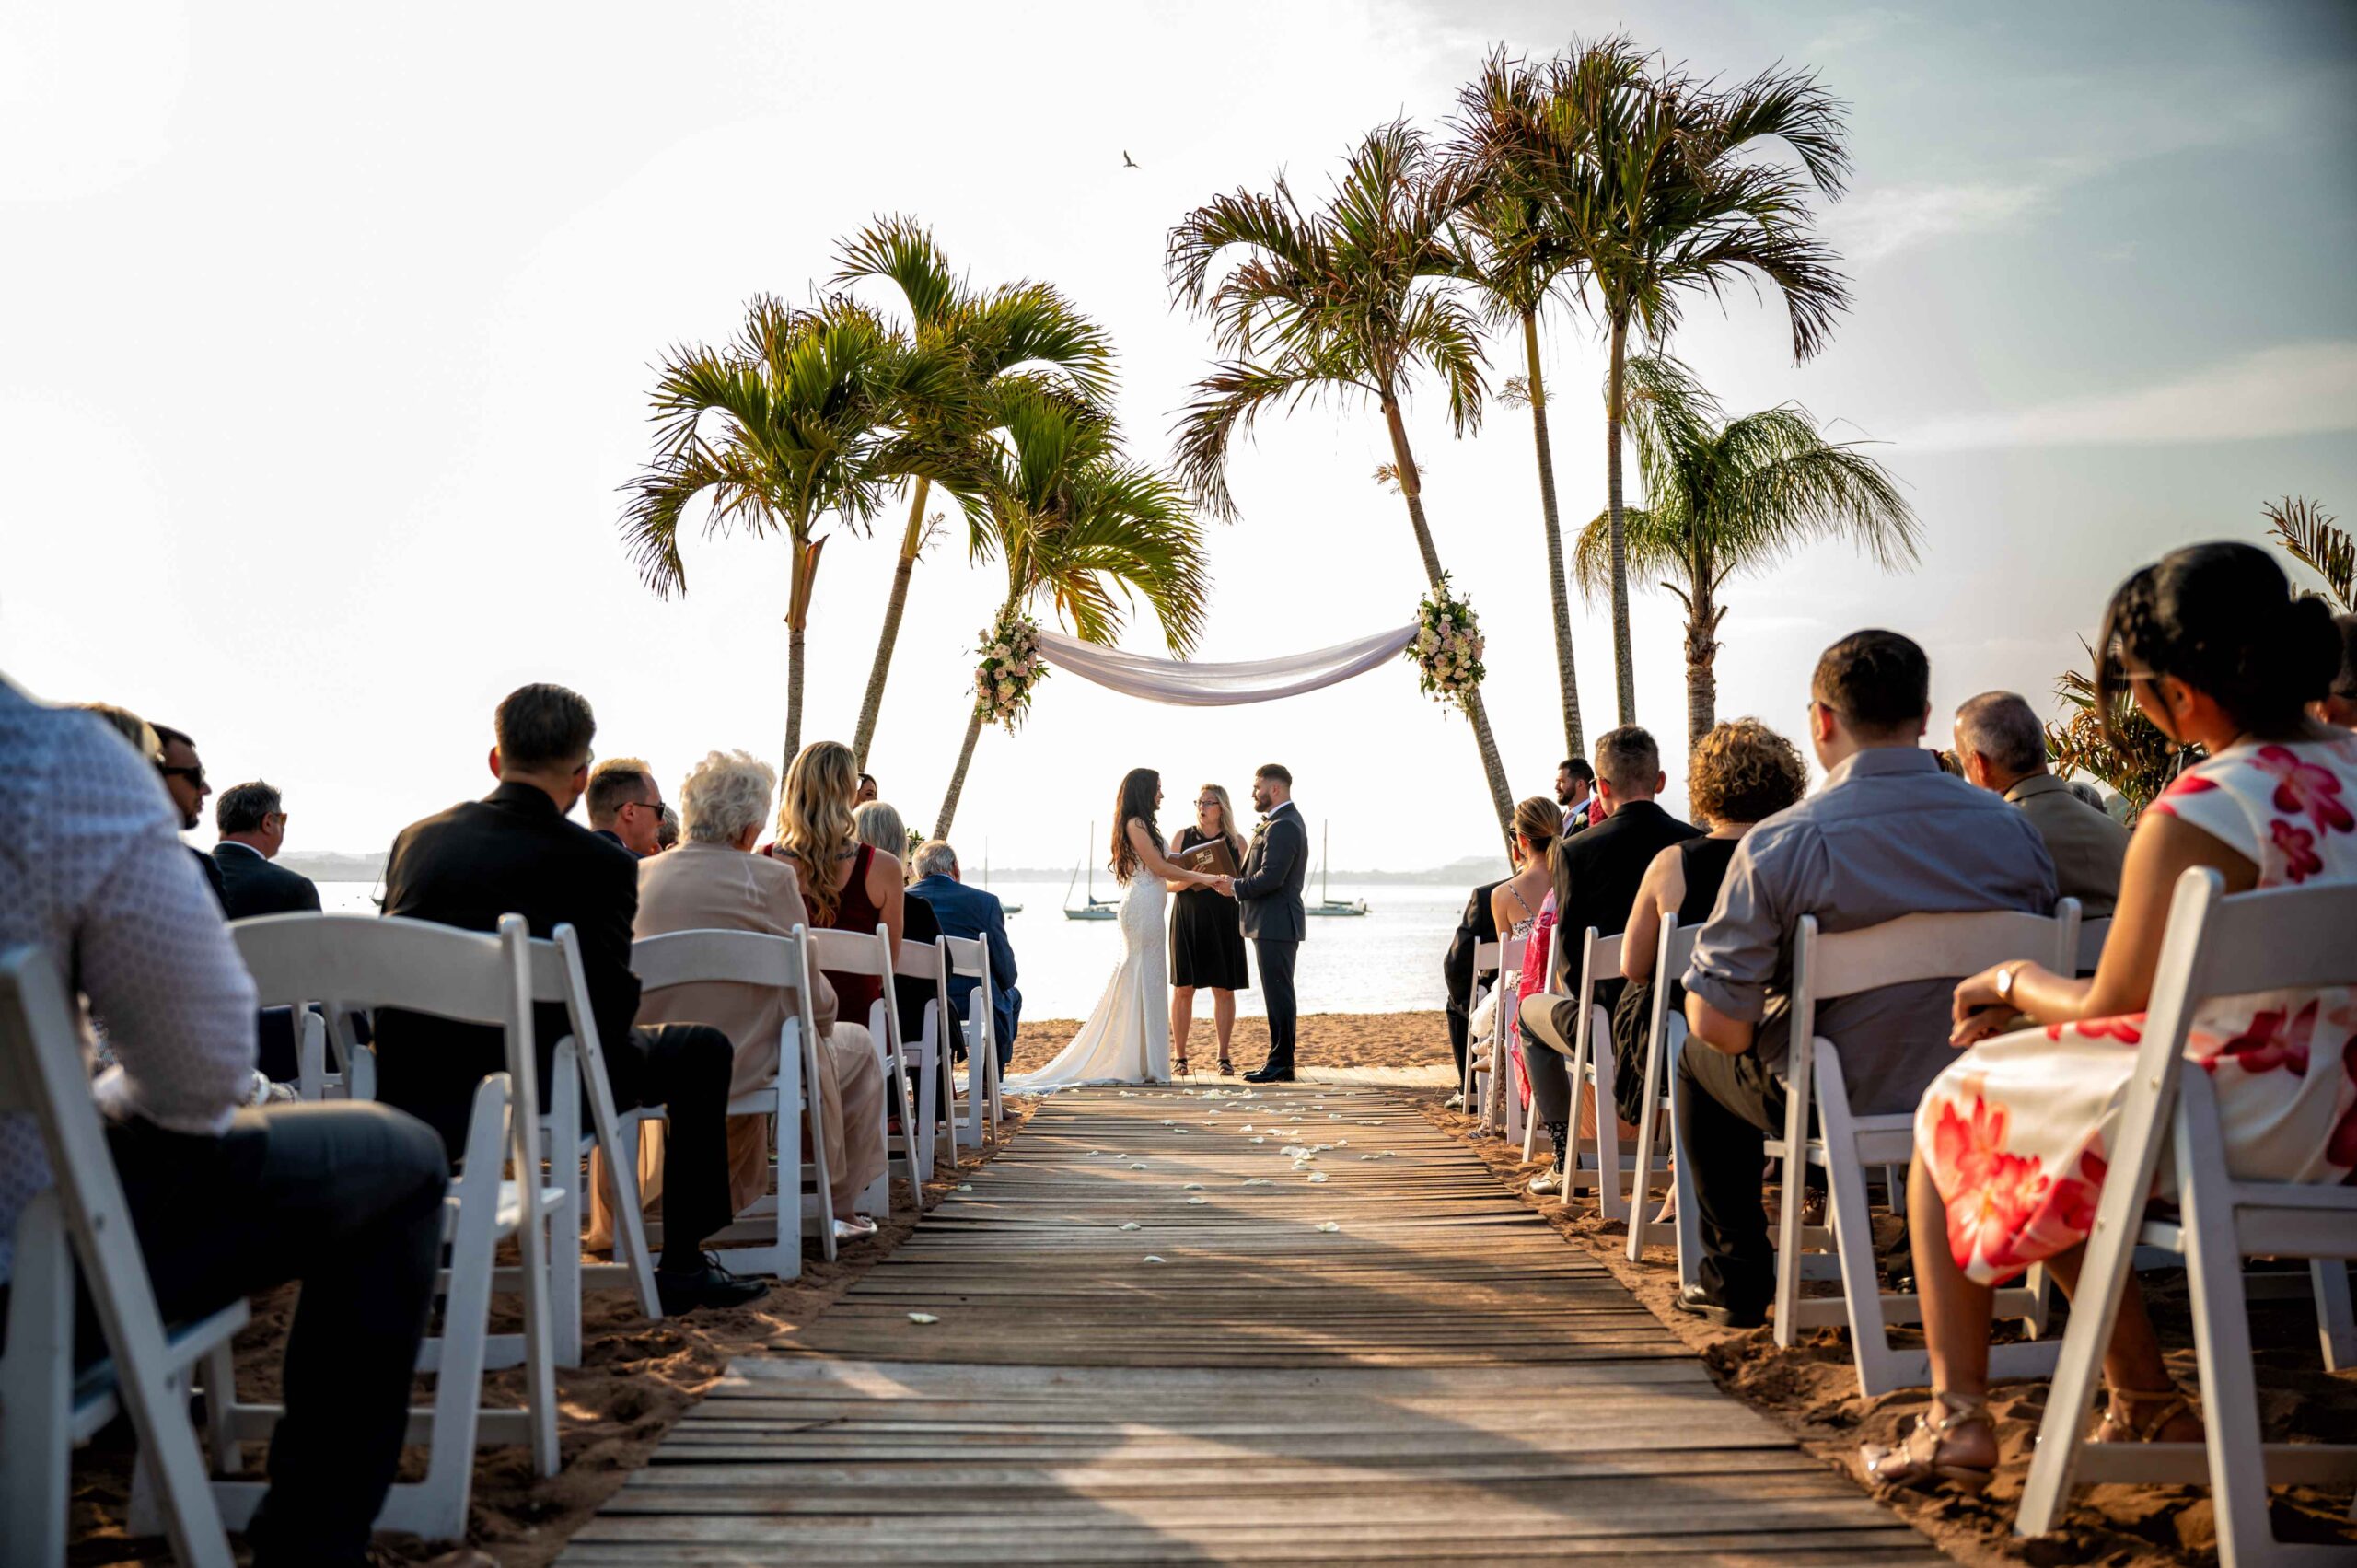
x: 2011, y: 1141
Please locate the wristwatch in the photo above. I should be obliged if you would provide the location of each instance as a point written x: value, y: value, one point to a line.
x: 2005, y: 982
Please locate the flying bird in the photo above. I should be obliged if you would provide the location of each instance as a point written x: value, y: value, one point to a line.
x: 1127, y: 161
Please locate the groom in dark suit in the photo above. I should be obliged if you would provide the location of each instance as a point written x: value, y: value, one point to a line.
x: 1269, y: 895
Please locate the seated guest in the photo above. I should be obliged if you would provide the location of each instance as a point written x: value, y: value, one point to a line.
x: 1475, y: 925
x: 513, y: 852
x: 2089, y: 794
x: 2003, y: 748
x: 2211, y: 647
x: 880, y: 827
x: 971, y: 914
x: 1515, y: 910
x: 1887, y: 834
x: 1574, y: 792
x: 866, y: 792
x: 1740, y: 775
x: 626, y: 805
x: 714, y: 882
x: 1597, y: 873
x: 2339, y: 706
x: 849, y: 886
x: 175, y: 759
x: 226, y: 1202
x: 254, y: 830
x: 667, y: 835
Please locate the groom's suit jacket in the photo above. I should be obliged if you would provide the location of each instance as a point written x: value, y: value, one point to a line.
x: 1274, y: 869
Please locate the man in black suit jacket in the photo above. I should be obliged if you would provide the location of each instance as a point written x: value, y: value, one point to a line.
x: 1270, y: 893
x: 254, y: 829
x: 515, y: 853
x: 1597, y: 872
x: 1478, y: 925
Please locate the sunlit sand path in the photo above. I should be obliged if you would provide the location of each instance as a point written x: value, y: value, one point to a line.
x: 1158, y: 1337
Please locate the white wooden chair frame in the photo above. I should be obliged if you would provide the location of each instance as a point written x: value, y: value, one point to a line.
x: 1472, y: 1085
x: 465, y: 977
x: 2277, y: 939
x: 1501, y: 1112
x: 1596, y: 1162
x: 855, y: 952
x: 1665, y: 1037
x: 760, y: 1240
x: 937, y: 1087
x: 1829, y: 965
x: 969, y: 957
x: 84, y: 1219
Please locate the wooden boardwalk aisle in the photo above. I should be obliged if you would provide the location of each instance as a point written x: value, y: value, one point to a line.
x: 1162, y: 1339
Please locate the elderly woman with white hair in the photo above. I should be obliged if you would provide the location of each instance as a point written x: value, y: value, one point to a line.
x: 714, y: 881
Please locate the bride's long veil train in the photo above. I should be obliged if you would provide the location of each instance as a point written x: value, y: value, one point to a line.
x: 1127, y: 1038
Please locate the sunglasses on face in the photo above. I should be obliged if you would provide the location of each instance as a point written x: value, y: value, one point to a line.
x: 194, y: 775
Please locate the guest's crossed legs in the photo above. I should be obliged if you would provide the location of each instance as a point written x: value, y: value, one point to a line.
x: 348, y: 1200
x: 684, y: 1068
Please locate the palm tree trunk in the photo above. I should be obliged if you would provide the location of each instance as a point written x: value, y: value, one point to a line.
x: 1624, y: 670
x: 1566, y: 678
x: 1492, y: 765
x: 958, y: 778
x: 1701, y: 652
x: 912, y: 541
x: 797, y: 617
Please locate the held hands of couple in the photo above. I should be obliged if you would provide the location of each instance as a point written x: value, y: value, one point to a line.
x: 1224, y: 886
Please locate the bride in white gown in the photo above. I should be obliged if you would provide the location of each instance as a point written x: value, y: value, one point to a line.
x: 1127, y: 1038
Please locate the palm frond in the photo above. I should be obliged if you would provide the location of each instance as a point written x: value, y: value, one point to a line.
x: 1655, y: 542
x: 2306, y: 532
x: 903, y: 249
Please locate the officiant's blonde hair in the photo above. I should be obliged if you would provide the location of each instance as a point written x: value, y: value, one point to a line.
x: 1228, y: 820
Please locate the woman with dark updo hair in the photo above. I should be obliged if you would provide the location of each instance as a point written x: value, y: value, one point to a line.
x: 2011, y: 1143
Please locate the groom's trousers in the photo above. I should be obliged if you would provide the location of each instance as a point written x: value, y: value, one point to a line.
x: 1276, y: 987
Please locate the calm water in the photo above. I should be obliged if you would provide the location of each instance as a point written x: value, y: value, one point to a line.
x: 1387, y: 962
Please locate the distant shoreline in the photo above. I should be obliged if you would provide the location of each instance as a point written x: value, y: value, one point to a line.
x: 332, y: 866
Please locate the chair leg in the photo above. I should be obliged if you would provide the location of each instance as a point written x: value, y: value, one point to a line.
x: 37, y: 1389
x: 220, y: 1403
x: 2335, y: 1329
x: 1608, y: 1119
x: 1689, y: 1226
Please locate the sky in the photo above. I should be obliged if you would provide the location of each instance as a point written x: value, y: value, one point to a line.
x: 325, y: 337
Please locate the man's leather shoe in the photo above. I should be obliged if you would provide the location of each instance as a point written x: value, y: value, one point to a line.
x: 709, y: 1285
x: 1696, y: 1302
x: 1268, y: 1075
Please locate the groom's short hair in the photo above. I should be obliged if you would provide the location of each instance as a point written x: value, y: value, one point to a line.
x: 1276, y: 770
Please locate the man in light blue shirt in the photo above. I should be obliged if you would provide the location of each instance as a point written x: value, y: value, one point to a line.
x: 1886, y: 834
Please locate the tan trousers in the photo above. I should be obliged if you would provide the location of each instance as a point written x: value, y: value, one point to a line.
x: 851, y: 1096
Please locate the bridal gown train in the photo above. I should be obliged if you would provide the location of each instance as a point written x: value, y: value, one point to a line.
x: 1127, y: 1038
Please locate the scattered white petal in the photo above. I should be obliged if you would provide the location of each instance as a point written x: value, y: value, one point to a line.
x: 1260, y: 1181
x: 1329, y: 1227
x: 1153, y: 1259
x: 1132, y: 1225
x: 1317, y: 1176
x: 1341, y: 1142
x: 1259, y: 1140
x: 965, y: 1187
x: 1199, y: 1200
x: 1137, y: 1167
x: 923, y: 1317
x: 1245, y: 1127
x: 1191, y: 1187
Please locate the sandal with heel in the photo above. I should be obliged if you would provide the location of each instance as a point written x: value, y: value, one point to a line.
x: 1916, y: 1461
x: 2148, y: 1412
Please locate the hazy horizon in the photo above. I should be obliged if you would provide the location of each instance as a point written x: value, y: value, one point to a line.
x: 328, y: 335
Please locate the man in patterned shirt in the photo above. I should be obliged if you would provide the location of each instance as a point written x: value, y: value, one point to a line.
x: 226, y: 1201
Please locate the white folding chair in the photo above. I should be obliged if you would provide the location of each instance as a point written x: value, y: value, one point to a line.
x: 44, y: 1412
x: 969, y: 958
x: 936, y: 1067
x: 1596, y: 1162
x: 1485, y: 967
x: 767, y: 1237
x: 1826, y: 966
x: 1665, y: 1037
x: 2092, y: 935
x: 2288, y: 938
x: 464, y: 977
x: 579, y: 1061
x: 858, y: 953
x: 1502, y: 1107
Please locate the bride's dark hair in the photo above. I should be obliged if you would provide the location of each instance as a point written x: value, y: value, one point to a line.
x: 1135, y: 803
x: 2221, y: 618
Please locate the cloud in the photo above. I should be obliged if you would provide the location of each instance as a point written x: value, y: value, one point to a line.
x: 1881, y: 222
x: 2290, y: 389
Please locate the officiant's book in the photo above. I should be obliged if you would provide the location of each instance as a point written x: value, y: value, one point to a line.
x: 1213, y: 859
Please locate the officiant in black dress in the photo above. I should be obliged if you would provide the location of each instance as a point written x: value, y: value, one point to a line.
x: 1207, y: 937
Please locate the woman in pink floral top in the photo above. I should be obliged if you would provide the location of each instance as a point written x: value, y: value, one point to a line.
x: 2011, y: 1141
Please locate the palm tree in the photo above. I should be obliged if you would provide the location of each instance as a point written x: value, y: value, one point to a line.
x: 987, y: 337
x: 2306, y: 531
x: 1521, y: 260
x: 1349, y: 299
x: 781, y: 429
x: 1082, y: 530
x: 1728, y: 495
x: 1660, y: 180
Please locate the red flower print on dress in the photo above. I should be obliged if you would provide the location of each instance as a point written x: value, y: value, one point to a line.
x: 1991, y: 1193
x: 2266, y: 1043
x: 2126, y: 1027
x: 2305, y: 789
x: 2298, y: 846
x: 2184, y: 784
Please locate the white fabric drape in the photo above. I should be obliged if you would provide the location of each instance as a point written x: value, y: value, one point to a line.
x: 1189, y: 684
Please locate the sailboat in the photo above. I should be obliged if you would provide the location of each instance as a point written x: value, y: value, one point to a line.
x: 1004, y: 908
x: 1095, y: 908
x: 1327, y: 903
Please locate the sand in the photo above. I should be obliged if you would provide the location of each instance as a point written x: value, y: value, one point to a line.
x: 1322, y: 1040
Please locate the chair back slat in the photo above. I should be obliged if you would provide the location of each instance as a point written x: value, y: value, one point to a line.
x: 2278, y: 939
x: 918, y: 960
x: 724, y: 958
x: 1485, y: 956
x: 2092, y: 935
x: 852, y: 952
x: 969, y: 956
x: 1933, y: 947
x: 360, y: 960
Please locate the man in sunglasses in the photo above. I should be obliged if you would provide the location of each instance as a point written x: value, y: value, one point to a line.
x: 183, y: 773
x: 626, y: 805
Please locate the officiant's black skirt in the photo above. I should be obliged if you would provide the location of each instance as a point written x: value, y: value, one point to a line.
x: 1207, y: 942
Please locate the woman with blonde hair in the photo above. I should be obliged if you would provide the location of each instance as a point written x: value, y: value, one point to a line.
x: 1207, y: 937
x: 850, y: 885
